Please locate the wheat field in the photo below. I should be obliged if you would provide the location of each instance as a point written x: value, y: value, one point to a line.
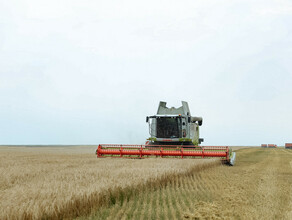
x: 70, y: 182
x: 259, y: 186
x: 67, y: 182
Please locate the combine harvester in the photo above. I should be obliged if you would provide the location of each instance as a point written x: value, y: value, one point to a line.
x: 173, y: 133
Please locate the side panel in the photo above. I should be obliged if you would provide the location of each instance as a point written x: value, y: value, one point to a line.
x: 153, y: 128
x: 194, y: 133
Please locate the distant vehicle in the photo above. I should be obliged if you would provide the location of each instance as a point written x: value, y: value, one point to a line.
x: 288, y: 145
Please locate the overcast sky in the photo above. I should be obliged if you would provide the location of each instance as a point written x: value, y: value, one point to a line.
x: 89, y: 72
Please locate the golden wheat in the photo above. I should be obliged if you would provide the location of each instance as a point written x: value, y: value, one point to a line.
x: 258, y: 187
x: 56, y: 183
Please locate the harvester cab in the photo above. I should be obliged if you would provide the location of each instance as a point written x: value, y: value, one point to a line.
x: 174, y: 126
